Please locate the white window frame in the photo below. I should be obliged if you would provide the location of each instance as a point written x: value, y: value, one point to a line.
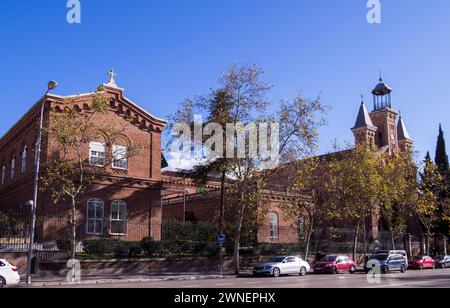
x: 96, y: 220
x: 13, y: 168
x: 23, y: 160
x: 3, y: 173
x: 274, y: 226
x: 121, y: 205
x: 120, y: 157
x: 95, y: 151
x: 35, y: 152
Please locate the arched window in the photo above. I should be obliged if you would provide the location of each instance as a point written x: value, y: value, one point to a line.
x: 23, y: 162
x: 13, y: 167
x: 273, y: 224
x: 95, y: 216
x: 3, y: 173
x: 118, y: 217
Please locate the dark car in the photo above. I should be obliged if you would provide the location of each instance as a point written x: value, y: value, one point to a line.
x: 442, y: 261
x: 335, y: 265
x: 388, y: 263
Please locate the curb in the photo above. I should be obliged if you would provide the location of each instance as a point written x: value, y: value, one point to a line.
x: 116, y: 281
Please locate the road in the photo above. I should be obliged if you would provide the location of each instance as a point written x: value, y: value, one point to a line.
x: 438, y: 278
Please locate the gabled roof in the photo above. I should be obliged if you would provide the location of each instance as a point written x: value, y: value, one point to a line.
x: 402, y: 131
x: 363, y: 120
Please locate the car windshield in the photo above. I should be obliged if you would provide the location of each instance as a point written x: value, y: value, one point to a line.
x: 329, y: 259
x: 380, y: 257
x: 276, y: 260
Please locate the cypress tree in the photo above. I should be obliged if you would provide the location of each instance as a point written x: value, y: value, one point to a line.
x: 441, y: 160
x: 441, y: 153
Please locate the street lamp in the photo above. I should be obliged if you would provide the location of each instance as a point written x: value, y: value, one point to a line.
x: 50, y: 86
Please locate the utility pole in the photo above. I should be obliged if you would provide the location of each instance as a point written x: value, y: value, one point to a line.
x: 51, y: 85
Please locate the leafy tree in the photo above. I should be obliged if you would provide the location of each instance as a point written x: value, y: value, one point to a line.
x: 314, y: 186
x: 359, y: 183
x: 242, y: 99
x: 428, y: 203
x: 398, y: 191
x: 68, y: 172
x: 441, y: 153
x: 441, y: 160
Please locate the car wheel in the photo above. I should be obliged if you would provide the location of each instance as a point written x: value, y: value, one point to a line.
x: 403, y: 269
x: 303, y: 271
x: 276, y: 272
x: 352, y: 270
x: 2, y: 282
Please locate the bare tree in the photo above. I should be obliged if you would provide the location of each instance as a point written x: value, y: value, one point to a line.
x: 68, y: 172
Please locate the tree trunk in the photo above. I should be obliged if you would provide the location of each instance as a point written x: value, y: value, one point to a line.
x: 445, y: 244
x: 392, y: 238
x: 222, y: 203
x: 308, y: 238
x: 422, y: 244
x: 365, y: 238
x: 237, y: 240
x: 74, y: 229
x: 355, y: 242
x: 427, y: 243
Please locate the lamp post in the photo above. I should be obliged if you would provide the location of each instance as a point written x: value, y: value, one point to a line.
x: 50, y: 86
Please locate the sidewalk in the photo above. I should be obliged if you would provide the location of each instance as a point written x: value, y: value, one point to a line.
x: 54, y: 281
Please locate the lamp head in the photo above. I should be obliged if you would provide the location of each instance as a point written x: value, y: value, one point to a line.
x: 52, y: 85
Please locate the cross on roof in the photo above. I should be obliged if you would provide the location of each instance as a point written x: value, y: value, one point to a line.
x: 112, y: 77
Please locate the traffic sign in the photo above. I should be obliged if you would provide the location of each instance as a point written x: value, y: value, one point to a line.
x: 221, y: 239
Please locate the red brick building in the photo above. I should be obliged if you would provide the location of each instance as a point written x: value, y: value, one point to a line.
x: 123, y: 202
x: 383, y: 127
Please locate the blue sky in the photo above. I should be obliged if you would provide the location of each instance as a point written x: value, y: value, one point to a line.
x: 167, y: 50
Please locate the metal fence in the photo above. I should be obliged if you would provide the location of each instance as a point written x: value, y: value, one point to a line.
x: 53, y: 239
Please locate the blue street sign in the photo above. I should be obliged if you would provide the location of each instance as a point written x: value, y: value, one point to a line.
x: 221, y: 239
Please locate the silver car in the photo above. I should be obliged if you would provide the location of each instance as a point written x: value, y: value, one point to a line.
x: 278, y: 266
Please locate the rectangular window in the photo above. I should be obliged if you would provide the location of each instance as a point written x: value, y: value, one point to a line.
x: 23, y: 163
x: 3, y: 173
x: 118, y: 218
x: 97, y: 153
x: 120, y: 159
x: 274, y: 231
x: 13, y: 167
x: 95, y: 216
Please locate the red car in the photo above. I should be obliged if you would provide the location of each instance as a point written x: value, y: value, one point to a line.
x: 422, y: 262
x: 335, y: 265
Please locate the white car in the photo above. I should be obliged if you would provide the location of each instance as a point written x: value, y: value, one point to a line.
x: 9, y: 274
x: 282, y: 266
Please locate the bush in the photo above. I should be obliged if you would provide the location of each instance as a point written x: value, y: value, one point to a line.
x: 64, y: 245
x: 100, y: 247
x: 118, y: 248
x: 135, y: 251
x: 149, y: 246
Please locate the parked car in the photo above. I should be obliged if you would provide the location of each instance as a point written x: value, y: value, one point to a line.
x: 442, y: 261
x: 388, y: 262
x: 278, y: 266
x: 9, y: 274
x: 393, y: 252
x: 422, y: 262
x: 335, y: 265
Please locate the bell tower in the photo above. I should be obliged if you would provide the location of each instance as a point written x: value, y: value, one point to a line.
x: 364, y: 130
x: 384, y: 118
